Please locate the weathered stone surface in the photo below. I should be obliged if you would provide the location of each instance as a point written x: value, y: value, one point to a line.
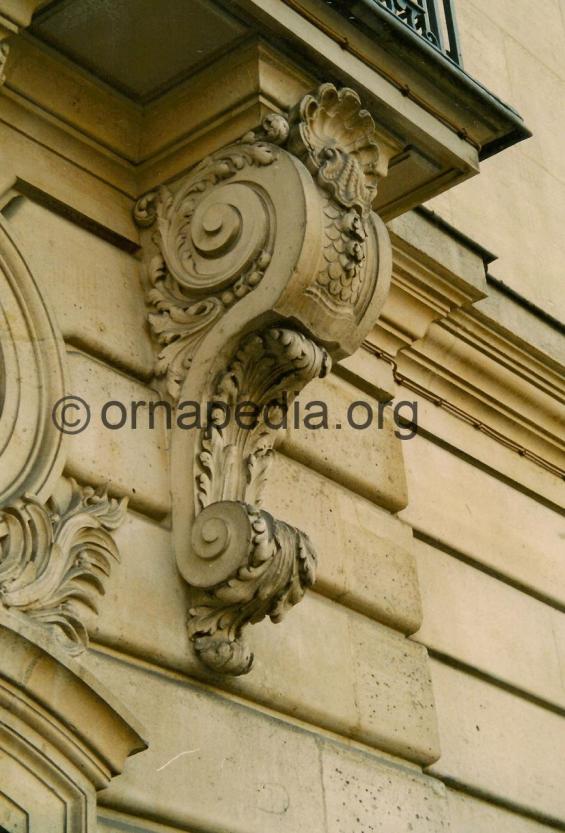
x: 365, y: 553
x: 518, y: 57
x: 498, y: 743
x: 339, y: 670
x: 363, y: 796
x: 132, y: 461
x: 367, y: 461
x: 61, y: 175
x: 217, y: 783
x: 481, y: 450
x: 329, y: 666
x: 309, y: 781
x: 93, y: 288
x: 146, y: 563
x: 465, y: 508
x: 110, y: 821
x: 368, y: 373
x: 394, y: 693
x: 492, y: 627
x: 467, y: 813
x: 62, y: 738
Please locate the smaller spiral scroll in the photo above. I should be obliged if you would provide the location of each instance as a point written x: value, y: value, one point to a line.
x: 221, y: 537
x: 277, y: 566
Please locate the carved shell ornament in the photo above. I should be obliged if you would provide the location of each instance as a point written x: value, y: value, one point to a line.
x: 215, y: 233
x: 265, y: 262
x: 337, y: 140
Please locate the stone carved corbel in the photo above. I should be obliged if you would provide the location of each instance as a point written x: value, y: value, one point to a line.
x: 267, y: 263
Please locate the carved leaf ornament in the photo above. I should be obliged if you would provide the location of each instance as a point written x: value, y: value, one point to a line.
x: 55, y: 557
x: 56, y: 548
x: 265, y: 263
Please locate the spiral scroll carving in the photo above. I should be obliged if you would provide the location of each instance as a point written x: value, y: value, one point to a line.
x: 251, y: 564
x: 267, y: 260
x: 215, y: 241
x: 265, y: 565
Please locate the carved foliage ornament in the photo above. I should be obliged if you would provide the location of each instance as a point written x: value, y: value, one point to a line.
x: 209, y: 257
x: 55, y: 557
x: 55, y: 536
x: 264, y: 262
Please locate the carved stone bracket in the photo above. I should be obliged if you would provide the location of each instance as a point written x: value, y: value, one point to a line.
x: 266, y: 262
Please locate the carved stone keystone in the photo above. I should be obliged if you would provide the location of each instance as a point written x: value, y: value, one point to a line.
x: 266, y: 263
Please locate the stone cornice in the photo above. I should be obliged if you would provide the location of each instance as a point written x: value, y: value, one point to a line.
x: 135, y: 148
x: 380, y: 42
x: 446, y: 350
x: 470, y: 364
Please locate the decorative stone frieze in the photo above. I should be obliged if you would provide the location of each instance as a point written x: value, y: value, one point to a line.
x: 266, y: 263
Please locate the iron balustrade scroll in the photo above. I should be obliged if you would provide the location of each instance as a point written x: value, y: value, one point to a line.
x: 433, y: 20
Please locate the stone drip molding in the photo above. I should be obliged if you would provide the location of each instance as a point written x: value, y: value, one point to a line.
x: 56, y: 549
x: 265, y: 263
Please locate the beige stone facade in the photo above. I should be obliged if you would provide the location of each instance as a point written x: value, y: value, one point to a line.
x: 227, y: 628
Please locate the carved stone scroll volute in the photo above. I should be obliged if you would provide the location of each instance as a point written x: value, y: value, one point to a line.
x: 266, y: 262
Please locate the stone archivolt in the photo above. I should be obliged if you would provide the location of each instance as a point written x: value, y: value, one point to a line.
x: 56, y: 548
x: 266, y: 262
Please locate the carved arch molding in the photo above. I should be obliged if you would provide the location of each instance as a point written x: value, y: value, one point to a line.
x: 266, y: 263
x: 56, y: 547
x: 62, y: 736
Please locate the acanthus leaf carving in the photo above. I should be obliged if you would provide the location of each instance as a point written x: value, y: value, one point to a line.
x: 56, y: 545
x: 255, y: 565
x: 55, y: 557
x: 208, y: 256
x: 276, y: 566
x: 268, y: 369
x: 265, y: 260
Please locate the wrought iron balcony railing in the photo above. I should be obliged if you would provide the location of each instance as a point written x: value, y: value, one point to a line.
x: 433, y: 20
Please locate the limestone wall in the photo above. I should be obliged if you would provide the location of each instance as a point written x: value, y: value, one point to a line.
x: 488, y: 548
x: 343, y: 712
x: 337, y: 719
x: 516, y: 50
x: 420, y: 686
